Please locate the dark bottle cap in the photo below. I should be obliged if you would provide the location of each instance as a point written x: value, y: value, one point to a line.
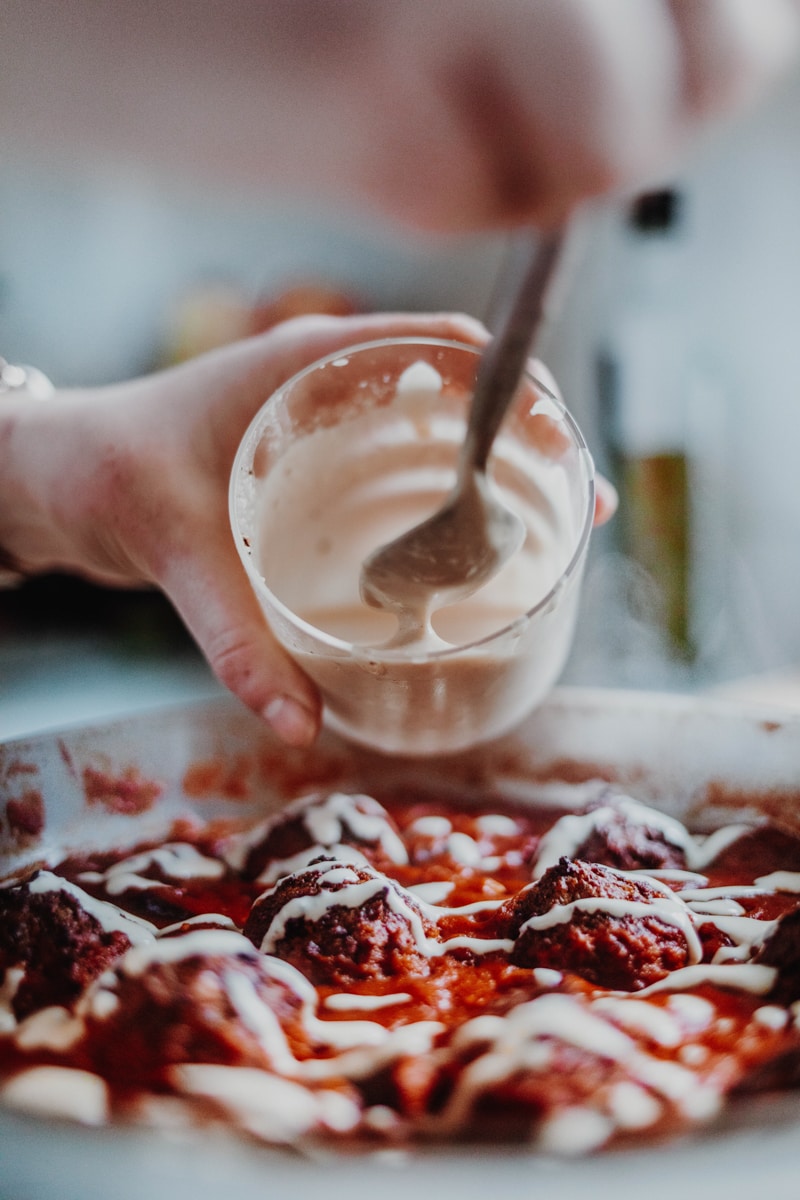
x: 655, y: 212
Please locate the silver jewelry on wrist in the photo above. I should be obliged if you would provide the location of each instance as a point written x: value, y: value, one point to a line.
x: 33, y: 383
x: 17, y: 378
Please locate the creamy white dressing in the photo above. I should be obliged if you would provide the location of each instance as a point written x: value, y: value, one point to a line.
x: 652, y: 1021
x: 216, y: 919
x: 52, y: 1091
x: 497, y: 825
x: 703, y: 850
x: 780, y: 881
x: 468, y: 670
x: 108, y: 916
x: 695, y: 1012
x: 278, y: 869
x: 53, y: 1028
x: 175, y: 949
x: 738, y: 977
x: 177, y: 861
x: 633, y: 1108
x: 266, y: 1105
x: 771, y: 1016
x: 8, y: 990
x: 351, y: 1001
x: 431, y: 826
x: 432, y: 893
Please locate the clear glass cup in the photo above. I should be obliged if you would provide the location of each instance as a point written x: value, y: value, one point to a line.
x: 346, y: 455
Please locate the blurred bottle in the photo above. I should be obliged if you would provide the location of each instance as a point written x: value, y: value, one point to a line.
x: 646, y: 386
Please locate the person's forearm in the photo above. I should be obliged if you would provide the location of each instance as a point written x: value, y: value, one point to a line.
x: 46, y: 468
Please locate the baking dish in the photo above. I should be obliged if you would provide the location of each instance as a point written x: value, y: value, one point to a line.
x: 703, y: 761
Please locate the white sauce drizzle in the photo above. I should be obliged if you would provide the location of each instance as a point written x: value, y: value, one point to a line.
x: 716, y: 908
x: 715, y: 893
x: 215, y: 919
x: 279, y: 868
x: 175, y: 860
x: 639, y: 1017
x: 497, y: 825
x: 10, y: 986
x: 739, y: 977
x: 745, y: 931
x: 432, y: 893
x: 703, y: 850
x: 53, y: 1028
x: 174, y: 949
x: 351, y: 1001
x: 58, y: 1092
x: 671, y: 875
x: 546, y: 977
x: 432, y: 827
x: 108, y: 916
x: 632, y: 1107
x: 771, y: 1016
x: 780, y: 881
x: 268, y: 1106
x: 695, y: 1012
x: 574, y: 1130
x: 464, y: 850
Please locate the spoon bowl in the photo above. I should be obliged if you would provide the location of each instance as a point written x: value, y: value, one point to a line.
x: 447, y: 557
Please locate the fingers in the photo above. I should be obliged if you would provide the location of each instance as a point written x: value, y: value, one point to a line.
x: 605, y: 500
x: 295, y: 344
x: 214, y: 598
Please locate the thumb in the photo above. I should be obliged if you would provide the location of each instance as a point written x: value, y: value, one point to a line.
x: 215, y: 600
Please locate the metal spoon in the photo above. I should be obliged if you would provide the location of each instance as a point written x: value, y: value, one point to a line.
x: 465, y: 543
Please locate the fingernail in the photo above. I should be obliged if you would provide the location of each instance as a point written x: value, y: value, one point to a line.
x: 292, y: 722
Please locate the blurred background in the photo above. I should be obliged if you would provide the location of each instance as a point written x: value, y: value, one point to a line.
x: 678, y: 352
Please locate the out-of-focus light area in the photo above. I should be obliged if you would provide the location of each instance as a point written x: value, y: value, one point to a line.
x: 678, y: 351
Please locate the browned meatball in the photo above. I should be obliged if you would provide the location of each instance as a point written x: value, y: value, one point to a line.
x: 340, y: 922
x: 60, y: 946
x: 781, y: 949
x: 623, y: 837
x: 625, y: 834
x: 188, y: 1006
x: 328, y: 820
x: 602, y: 942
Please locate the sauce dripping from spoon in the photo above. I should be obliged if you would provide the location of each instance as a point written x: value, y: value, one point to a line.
x: 474, y: 533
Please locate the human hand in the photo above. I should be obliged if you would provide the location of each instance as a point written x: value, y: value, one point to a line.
x: 510, y: 113
x: 446, y: 115
x: 128, y: 485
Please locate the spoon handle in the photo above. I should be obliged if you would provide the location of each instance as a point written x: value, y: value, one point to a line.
x: 503, y: 361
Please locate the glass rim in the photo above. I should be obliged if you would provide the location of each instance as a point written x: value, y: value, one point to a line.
x: 379, y: 654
